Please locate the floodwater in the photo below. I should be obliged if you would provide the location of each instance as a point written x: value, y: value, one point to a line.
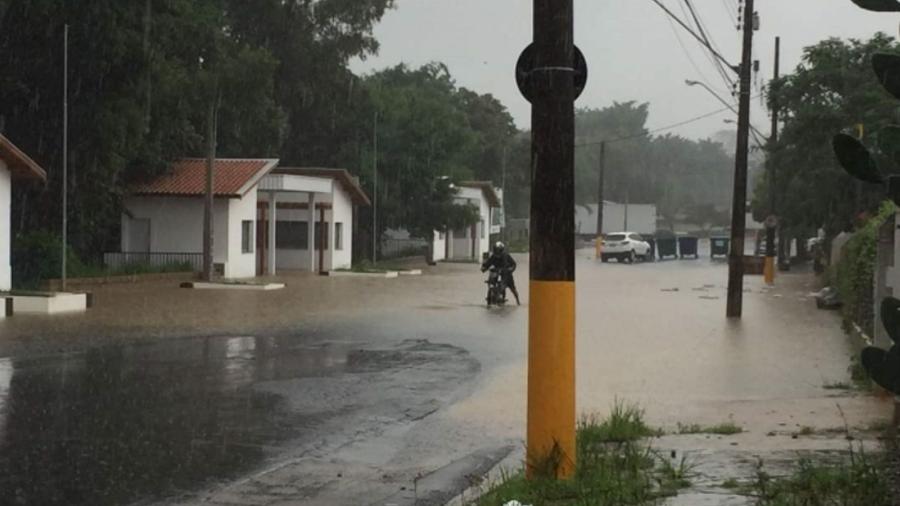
x: 393, y: 390
x: 112, y: 424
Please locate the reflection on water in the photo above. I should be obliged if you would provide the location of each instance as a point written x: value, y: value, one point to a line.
x: 115, y: 424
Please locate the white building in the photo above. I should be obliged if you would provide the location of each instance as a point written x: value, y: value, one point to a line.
x: 617, y: 217
x: 163, y: 219
x: 14, y: 166
x: 473, y: 242
x: 332, y: 194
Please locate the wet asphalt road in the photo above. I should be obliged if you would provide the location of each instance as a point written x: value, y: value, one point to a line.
x: 373, y: 391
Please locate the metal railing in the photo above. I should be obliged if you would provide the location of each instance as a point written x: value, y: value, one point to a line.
x: 119, y: 261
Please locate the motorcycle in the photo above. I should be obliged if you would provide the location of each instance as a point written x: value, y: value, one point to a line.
x: 496, y: 294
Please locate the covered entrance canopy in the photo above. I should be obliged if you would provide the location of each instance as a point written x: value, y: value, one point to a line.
x: 305, y: 219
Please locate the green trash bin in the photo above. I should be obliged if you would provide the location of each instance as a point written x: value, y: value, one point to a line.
x: 718, y: 247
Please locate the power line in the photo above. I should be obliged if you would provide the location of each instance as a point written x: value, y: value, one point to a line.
x: 687, y: 53
x: 707, y: 36
x: 705, y: 44
x: 656, y: 130
x: 660, y: 129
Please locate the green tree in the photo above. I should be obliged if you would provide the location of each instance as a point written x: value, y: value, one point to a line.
x: 832, y: 90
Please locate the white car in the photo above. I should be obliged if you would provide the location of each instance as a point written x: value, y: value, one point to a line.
x: 624, y: 246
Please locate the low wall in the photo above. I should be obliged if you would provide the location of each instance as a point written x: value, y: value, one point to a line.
x: 55, y: 285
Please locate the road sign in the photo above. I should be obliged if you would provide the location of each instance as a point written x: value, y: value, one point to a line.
x: 526, y: 70
x: 772, y: 221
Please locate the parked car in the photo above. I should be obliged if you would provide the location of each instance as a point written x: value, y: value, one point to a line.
x: 625, y: 247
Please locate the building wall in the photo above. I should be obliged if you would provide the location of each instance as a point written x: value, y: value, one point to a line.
x: 5, y: 230
x: 299, y: 259
x: 461, y: 248
x: 240, y: 264
x: 440, y: 244
x: 342, y: 207
x: 641, y: 218
x: 176, y: 224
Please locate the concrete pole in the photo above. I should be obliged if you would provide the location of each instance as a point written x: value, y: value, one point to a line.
x: 551, y: 310
x: 599, y: 245
x: 735, y: 302
x: 311, y: 231
x: 273, y: 217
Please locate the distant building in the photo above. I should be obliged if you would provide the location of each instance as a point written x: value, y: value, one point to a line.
x: 14, y: 166
x: 617, y: 217
x: 472, y: 242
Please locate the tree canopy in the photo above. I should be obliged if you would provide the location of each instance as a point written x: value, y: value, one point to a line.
x: 832, y: 90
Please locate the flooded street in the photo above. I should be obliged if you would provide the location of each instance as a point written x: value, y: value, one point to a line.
x: 381, y: 391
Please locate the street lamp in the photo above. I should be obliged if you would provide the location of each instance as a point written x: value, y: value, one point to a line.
x: 757, y: 135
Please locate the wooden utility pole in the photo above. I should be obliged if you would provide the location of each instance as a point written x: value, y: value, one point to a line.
x: 65, y: 161
x: 551, y: 311
x: 771, y: 228
x: 209, y: 197
x: 599, y: 245
x: 375, y: 236
x: 739, y: 203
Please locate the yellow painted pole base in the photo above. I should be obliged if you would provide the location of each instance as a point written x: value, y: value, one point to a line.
x: 551, y: 380
x: 598, y: 247
x: 769, y: 270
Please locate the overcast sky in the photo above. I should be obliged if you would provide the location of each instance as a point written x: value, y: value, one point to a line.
x: 632, y: 49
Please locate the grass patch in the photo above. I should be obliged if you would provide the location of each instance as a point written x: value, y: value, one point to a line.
x: 722, y: 429
x: 367, y: 267
x: 624, y: 423
x: 805, y: 431
x: 857, y: 481
x: 731, y: 484
x: 614, y: 467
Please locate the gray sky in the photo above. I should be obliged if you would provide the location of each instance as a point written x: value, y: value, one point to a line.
x: 632, y: 50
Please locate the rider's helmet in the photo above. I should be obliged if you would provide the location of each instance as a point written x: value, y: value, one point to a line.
x: 499, y: 248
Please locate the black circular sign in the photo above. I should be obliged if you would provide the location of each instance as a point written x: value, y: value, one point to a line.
x: 527, y: 63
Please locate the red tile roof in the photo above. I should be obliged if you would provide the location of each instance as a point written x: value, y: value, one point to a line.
x: 232, y: 178
x: 20, y: 165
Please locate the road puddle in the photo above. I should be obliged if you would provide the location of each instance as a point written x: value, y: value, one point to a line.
x: 113, y: 424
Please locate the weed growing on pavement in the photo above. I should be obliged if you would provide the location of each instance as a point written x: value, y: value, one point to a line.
x: 856, y: 481
x: 624, y: 423
x: 722, y: 429
x: 614, y: 467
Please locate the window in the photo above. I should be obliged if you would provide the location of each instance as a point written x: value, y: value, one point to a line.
x: 481, y: 225
x: 319, y: 235
x: 636, y: 237
x: 247, y: 242
x: 338, y: 236
x: 291, y: 235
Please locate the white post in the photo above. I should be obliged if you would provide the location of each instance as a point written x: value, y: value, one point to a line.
x: 311, y: 232
x: 273, y: 217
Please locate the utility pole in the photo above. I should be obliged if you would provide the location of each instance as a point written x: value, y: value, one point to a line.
x: 551, y: 311
x: 776, y: 197
x: 772, y: 223
x: 599, y: 245
x: 739, y: 203
x: 503, y: 188
x: 375, y: 189
x: 211, y: 141
x: 65, y: 159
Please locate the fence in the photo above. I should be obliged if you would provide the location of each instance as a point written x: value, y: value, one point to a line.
x: 120, y: 261
x: 398, y: 248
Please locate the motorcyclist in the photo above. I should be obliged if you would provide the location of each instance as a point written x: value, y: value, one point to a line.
x: 505, y: 264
